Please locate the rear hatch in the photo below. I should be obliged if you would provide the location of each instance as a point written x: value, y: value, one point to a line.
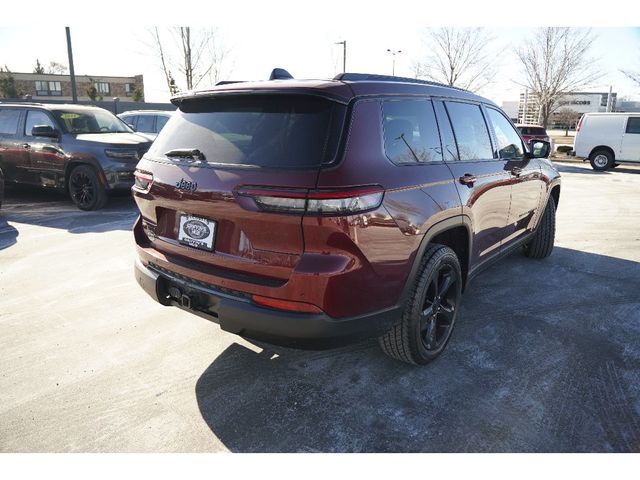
x: 205, y: 184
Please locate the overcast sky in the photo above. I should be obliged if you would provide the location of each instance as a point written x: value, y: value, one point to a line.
x: 307, y: 51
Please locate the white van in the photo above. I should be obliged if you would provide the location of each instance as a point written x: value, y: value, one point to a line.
x: 608, y: 139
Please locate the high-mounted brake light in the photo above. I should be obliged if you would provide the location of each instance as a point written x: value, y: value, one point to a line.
x: 143, y: 180
x: 344, y: 201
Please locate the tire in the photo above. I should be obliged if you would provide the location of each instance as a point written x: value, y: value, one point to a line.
x: 85, y: 188
x: 541, y: 245
x: 428, y: 317
x: 601, y: 160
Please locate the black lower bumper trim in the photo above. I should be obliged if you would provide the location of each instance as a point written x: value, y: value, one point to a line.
x: 242, y: 317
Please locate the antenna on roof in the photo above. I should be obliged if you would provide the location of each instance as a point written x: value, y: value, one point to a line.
x: 280, y: 74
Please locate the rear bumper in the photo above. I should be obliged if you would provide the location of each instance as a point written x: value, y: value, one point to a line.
x: 237, y: 314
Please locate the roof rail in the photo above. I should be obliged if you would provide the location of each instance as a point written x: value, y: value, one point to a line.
x: 372, y: 77
x: 16, y: 102
x: 226, y: 82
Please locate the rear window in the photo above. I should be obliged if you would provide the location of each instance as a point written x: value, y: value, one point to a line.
x: 410, y: 131
x: 470, y: 130
x: 275, y: 131
x: 9, y: 121
x: 633, y: 125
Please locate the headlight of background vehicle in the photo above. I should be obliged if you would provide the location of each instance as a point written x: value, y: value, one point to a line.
x: 122, y: 153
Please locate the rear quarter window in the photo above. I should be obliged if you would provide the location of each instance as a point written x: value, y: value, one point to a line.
x: 274, y: 131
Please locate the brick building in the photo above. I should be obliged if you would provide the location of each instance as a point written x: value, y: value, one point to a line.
x: 43, y: 87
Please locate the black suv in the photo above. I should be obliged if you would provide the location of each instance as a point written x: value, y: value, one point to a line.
x: 87, y: 151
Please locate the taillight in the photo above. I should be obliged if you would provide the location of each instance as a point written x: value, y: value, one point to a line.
x: 143, y: 180
x: 286, y: 305
x: 579, y: 124
x: 344, y: 201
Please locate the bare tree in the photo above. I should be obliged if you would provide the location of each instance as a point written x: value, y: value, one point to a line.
x: 195, y: 54
x: 556, y: 62
x: 57, y: 68
x: 567, y: 117
x: 632, y: 75
x: 460, y: 57
x: 38, y: 68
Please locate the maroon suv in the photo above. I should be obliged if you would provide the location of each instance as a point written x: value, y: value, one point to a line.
x: 314, y: 212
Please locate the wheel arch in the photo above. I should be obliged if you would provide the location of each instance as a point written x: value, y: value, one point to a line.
x: 73, y: 163
x: 602, y: 147
x: 455, y: 233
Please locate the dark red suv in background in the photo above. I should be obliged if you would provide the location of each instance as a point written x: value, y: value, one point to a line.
x: 314, y: 212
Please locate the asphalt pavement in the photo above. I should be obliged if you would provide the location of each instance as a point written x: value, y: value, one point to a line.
x: 545, y: 356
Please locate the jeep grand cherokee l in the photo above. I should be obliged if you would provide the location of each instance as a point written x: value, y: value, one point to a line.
x: 314, y: 212
x: 86, y: 151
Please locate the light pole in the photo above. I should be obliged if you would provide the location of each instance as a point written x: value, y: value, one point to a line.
x: 393, y: 55
x: 344, y: 54
x: 72, y: 73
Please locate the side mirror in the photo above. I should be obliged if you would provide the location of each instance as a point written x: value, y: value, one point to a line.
x: 46, y: 131
x: 539, y: 149
x: 130, y: 125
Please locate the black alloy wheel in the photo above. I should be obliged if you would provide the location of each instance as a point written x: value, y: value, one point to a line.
x: 85, y: 188
x: 430, y: 312
x: 439, y: 308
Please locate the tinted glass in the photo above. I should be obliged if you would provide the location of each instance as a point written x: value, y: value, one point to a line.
x: 450, y: 151
x: 537, y: 131
x: 633, y: 125
x: 471, y: 131
x: 90, y: 121
x: 36, y: 117
x: 259, y: 130
x: 509, y: 143
x: 161, y: 120
x: 129, y: 120
x: 145, y: 123
x: 410, y: 131
x: 9, y: 121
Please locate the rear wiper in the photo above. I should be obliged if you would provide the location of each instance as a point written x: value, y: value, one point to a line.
x: 192, y: 153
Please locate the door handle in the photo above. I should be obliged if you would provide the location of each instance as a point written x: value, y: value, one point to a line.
x: 467, y: 179
x: 26, y: 145
x: 516, y: 171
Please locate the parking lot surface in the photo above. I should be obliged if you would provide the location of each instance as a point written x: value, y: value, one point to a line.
x: 545, y: 356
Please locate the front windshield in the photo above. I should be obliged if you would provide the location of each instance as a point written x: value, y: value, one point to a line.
x: 91, y: 121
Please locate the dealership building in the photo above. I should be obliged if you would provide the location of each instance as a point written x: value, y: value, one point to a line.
x: 579, y: 102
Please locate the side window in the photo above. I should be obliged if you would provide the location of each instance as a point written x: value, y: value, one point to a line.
x: 470, y: 130
x: 130, y: 120
x: 410, y: 131
x: 9, y: 121
x: 160, y: 122
x: 37, y: 117
x: 145, y: 124
x: 509, y: 143
x: 633, y: 125
x: 450, y: 150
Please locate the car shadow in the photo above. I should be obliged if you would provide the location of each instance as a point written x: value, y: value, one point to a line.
x: 8, y: 233
x: 545, y: 358
x: 53, y: 209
